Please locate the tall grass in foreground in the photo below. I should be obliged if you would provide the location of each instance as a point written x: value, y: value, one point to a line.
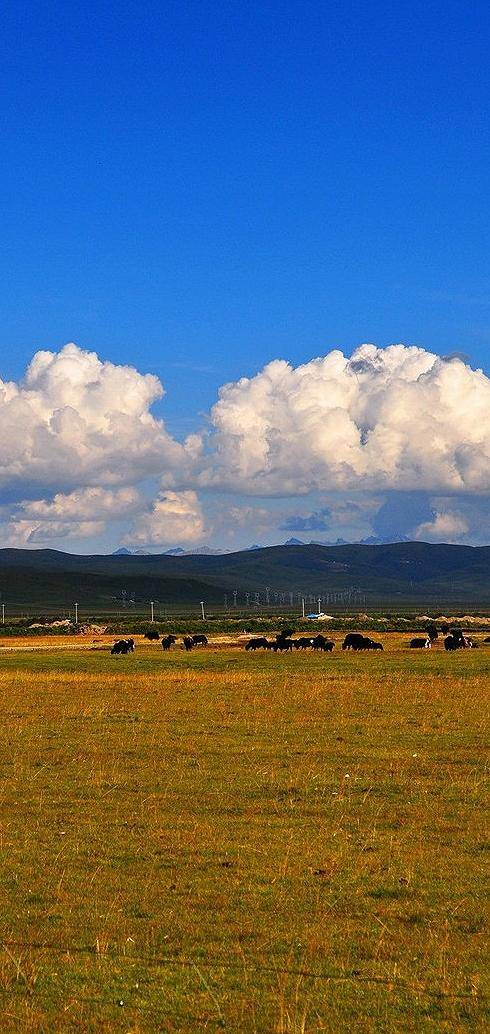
x: 252, y: 844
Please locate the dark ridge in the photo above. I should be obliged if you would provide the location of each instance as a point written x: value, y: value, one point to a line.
x: 415, y: 571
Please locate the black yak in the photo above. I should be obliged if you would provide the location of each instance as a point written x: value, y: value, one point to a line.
x: 260, y: 643
x: 303, y: 643
x: 353, y: 641
x: 356, y: 641
x: 123, y: 646
x: 456, y: 641
x: 285, y: 634
x: 284, y: 644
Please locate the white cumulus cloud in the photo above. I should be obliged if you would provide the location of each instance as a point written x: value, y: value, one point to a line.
x: 174, y: 517
x: 75, y: 421
x: 444, y: 527
x: 393, y: 418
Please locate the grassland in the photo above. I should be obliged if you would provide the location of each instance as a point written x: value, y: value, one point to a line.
x: 249, y: 843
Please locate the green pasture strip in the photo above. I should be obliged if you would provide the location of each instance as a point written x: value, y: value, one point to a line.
x: 150, y: 659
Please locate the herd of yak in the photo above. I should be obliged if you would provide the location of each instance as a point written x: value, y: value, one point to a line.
x: 283, y: 641
x: 455, y: 639
x: 188, y: 643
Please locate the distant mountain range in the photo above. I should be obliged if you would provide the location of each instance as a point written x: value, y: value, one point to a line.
x: 175, y: 551
x: 213, y: 551
x: 415, y: 572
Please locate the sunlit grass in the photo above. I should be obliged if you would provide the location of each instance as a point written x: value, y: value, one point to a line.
x: 219, y: 841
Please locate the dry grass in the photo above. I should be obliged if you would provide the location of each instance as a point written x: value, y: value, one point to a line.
x: 255, y: 844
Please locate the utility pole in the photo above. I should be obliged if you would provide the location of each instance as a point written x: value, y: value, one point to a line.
x: 303, y: 606
x: 76, y: 613
x: 202, y: 610
x: 319, y: 604
x: 152, y: 607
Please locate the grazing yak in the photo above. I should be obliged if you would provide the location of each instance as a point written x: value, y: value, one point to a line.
x: 420, y: 644
x: 259, y: 643
x: 282, y: 643
x: 303, y: 643
x: 123, y: 646
x: 319, y: 642
x: 457, y: 641
x: 200, y: 640
x: 452, y: 643
x: 353, y: 641
x: 327, y: 645
x: 285, y: 634
x: 356, y: 641
x: 168, y: 641
x: 187, y: 643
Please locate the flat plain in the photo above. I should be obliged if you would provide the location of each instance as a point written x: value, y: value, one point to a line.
x: 251, y: 843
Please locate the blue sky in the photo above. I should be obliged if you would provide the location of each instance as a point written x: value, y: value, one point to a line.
x: 196, y: 188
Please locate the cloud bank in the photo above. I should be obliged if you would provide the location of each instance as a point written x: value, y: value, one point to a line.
x: 404, y: 431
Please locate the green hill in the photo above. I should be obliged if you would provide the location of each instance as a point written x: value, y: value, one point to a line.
x: 412, y: 572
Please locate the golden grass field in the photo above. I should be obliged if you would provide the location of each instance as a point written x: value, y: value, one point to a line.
x: 250, y: 843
